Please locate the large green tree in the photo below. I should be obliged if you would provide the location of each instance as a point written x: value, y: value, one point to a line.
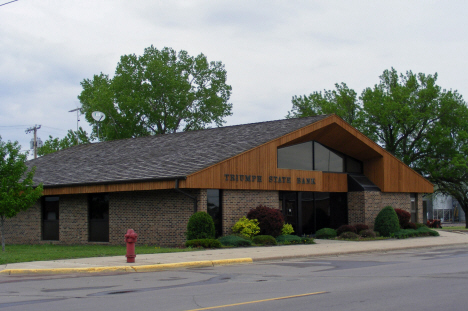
x: 72, y: 138
x: 342, y: 101
x: 16, y: 184
x: 410, y: 116
x: 159, y: 92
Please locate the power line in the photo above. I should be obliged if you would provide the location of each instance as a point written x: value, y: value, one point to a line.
x: 8, y: 2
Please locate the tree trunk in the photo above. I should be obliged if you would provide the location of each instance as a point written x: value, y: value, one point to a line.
x: 2, y: 222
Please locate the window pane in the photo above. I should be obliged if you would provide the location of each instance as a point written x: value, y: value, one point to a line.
x: 336, y: 163
x: 353, y: 166
x: 296, y: 157
x: 321, y: 157
x: 214, y: 209
x: 326, y: 160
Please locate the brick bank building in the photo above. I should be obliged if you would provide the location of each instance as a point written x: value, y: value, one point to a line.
x: 320, y: 171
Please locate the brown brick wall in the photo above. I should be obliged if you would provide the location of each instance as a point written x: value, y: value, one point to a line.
x: 25, y: 227
x: 237, y: 203
x: 364, y: 206
x: 158, y: 217
x: 73, y: 222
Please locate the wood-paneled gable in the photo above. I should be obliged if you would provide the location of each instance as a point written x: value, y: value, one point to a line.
x: 382, y: 168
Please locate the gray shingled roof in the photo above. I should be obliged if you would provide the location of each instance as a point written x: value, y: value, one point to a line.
x: 166, y: 156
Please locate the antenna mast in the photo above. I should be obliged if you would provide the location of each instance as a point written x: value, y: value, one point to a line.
x: 78, y: 111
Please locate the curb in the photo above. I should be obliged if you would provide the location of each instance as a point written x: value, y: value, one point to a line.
x: 145, y: 268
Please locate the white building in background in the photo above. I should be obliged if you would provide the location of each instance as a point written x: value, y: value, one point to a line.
x: 443, y: 207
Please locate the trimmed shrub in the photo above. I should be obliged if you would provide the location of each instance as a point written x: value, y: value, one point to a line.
x: 246, y: 227
x: 348, y: 235
x: 404, y: 217
x: 288, y: 239
x: 307, y: 240
x: 264, y: 240
x: 410, y: 225
x: 368, y: 233
x: 270, y: 220
x: 345, y: 228
x: 360, y: 227
x: 293, y: 239
x: 234, y: 240
x: 387, y: 222
x: 205, y: 243
x: 200, y: 226
x: 287, y: 229
x: 428, y: 232
x: 325, y: 233
x: 419, y: 225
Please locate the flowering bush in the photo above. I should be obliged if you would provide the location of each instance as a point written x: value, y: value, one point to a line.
x: 248, y: 228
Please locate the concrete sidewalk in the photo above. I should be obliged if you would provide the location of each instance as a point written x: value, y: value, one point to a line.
x: 155, y: 262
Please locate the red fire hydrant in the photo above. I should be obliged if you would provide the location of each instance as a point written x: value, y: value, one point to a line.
x: 130, y: 239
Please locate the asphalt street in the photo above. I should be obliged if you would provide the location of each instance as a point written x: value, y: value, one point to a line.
x: 409, y: 279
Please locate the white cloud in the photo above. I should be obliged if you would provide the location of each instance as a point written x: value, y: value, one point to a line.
x: 272, y: 50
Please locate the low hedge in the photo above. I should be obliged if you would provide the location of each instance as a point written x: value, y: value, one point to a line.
x: 264, y: 240
x: 345, y: 228
x: 409, y: 233
x: 234, y: 240
x: 326, y: 233
x: 205, y: 243
x: 368, y: 233
x: 287, y: 239
x: 348, y: 235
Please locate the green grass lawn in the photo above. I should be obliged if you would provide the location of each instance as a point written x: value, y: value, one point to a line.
x: 24, y: 253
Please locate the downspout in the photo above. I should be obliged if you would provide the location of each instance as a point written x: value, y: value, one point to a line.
x: 186, y: 194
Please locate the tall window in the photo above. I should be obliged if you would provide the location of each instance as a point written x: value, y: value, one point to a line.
x: 312, y: 155
x: 296, y: 157
x: 50, y: 218
x: 214, y: 209
x: 327, y: 160
x: 98, y: 211
x: 414, y: 207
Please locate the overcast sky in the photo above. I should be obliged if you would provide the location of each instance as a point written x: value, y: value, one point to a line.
x: 271, y: 50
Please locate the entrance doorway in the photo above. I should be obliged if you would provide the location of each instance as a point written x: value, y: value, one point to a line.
x: 308, y: 212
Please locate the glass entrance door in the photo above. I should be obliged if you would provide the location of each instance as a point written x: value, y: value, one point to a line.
x: 308, y: 212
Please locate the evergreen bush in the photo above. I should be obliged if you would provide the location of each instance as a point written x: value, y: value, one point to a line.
x: 264, y: 240
x: 270, y: 220
x: 288, y: 239
x: 205, y: 243
x: 325, y: 233
x: 386, y: 222
x: 200, y: 226
x: 234, y: 240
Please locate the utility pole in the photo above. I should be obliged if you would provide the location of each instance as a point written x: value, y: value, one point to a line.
x: 34, y: 129
x: 78, y: 111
